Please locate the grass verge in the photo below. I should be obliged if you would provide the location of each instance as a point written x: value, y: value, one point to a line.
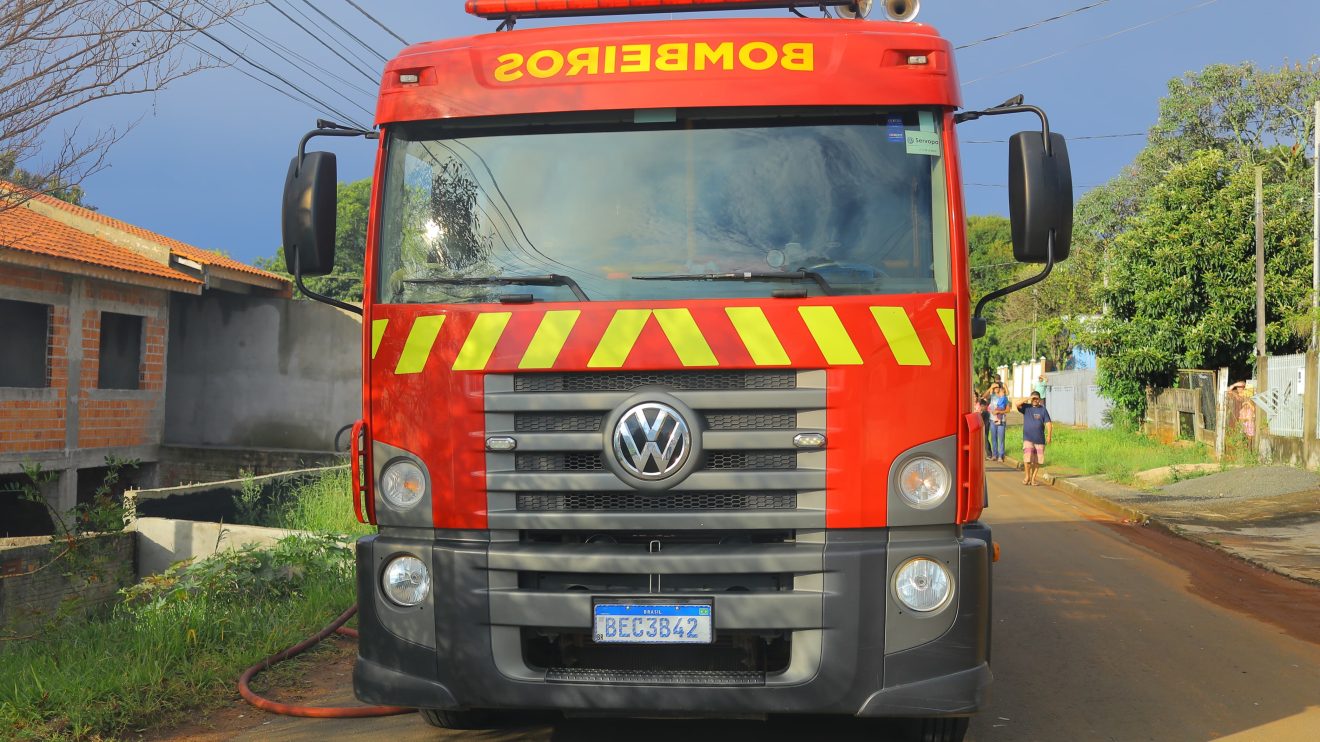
x: 174, y: 646
x: 322, y: 504
x: 1114, y: 453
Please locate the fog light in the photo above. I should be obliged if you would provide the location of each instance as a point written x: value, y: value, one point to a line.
x: 501, y: 443
x: 923, y: 482
x: 923, y: 585
x: 406, y: 581
x: 809, y: 440
x: 402, y: 484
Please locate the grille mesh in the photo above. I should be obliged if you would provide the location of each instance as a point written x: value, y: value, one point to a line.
x: 750, y: 460
x: 751, y: 421
x: 574, y: 461
x: 622, y: 381
x: 672, y: 501
x: 655, y: 677
x: 534, y: 422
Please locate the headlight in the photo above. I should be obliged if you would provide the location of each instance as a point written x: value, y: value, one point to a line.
x: 406, y: 580
x: 923, y: 482
x: 923, y: 585
x: 402, y: 484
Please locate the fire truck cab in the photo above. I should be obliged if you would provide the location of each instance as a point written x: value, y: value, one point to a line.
x: 666, y: 368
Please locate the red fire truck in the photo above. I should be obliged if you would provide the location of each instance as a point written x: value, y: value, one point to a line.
x: 666, y: 366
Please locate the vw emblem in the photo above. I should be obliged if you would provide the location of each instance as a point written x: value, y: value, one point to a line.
x: 652, y: 441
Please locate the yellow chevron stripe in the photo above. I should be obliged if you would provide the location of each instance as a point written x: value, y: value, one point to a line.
x: 897, y: 328
x: 377, y: 334
x: 480, y: 343
x: 686, y: 337
x: 549, y: 339
x: 759, y: 337
x: 619, y: 338
x: 946, y: 316
x: 418, y: 346
x: 830, y: 335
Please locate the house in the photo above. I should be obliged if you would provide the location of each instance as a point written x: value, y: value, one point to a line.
x: 88, y: 307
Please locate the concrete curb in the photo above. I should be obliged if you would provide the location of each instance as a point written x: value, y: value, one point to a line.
x: 1146, y: 519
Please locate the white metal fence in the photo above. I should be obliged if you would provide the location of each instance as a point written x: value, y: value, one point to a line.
x: 1281, y: 402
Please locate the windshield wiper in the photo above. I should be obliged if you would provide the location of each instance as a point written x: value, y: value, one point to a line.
x: 744, y: 276
x: 553, y: 279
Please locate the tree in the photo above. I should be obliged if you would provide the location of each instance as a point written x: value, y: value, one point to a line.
x: 352, y: 210
x: 1174, y: 235
x: 57, y: 56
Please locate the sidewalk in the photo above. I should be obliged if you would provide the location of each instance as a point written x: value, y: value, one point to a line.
x: 1268, y: 516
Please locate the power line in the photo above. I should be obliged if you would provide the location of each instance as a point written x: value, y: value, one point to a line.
x: 321, y: 41
x: 1005, y: 185
x: 378, y: 23
x: 323, y: 30
x: 1070, y: 139
x: 1107, y: 37
x: 1030, y: 26
x: 326, y: 107
x: 349, y: 33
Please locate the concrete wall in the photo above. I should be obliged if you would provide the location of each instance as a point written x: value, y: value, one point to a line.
x: 252, y: 372
x: 162, y: 541
x: 38, y: 584
x: 186, y: 464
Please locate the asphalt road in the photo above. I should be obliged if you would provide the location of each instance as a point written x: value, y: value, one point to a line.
x: 1102, y: 632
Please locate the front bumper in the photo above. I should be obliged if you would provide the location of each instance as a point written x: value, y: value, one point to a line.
x: 464, y: 649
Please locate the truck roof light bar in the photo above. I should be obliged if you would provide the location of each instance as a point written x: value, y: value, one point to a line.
x: 516, y: 9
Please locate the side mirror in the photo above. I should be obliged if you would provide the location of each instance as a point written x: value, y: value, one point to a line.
x: 1040, y: 196
x: 308, y: 219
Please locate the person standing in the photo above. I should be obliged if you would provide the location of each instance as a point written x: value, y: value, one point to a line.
x: 983, y: 407
x: 998, y: 421
x: 1037, y: 430
x: 1040, y: 387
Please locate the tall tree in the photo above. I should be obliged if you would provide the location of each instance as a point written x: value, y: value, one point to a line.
x: 57, y: 56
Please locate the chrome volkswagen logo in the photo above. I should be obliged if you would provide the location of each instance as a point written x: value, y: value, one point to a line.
x: 652, y: 441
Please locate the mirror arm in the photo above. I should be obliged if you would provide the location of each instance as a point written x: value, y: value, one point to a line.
x: 297, y: 279
x: 330, y: 129
x: 979, y: 322
x: 1014, y: 105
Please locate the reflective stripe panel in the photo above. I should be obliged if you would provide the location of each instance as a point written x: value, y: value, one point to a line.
x: 549, y: 339
x: 377, y: 334
x: 619, y: 338
x: 480, y: 343
x: 830, y: 336
x: 759, y: 337
x: 897, y: 328
x: 418, y: 346
x: 686, y: 337
x: 946, y: 316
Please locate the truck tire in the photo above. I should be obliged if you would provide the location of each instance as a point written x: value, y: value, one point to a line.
x: 944, y: 729
x: 465, y: 719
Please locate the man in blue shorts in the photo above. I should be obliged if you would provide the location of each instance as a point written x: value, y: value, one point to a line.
x: 1037, y: 430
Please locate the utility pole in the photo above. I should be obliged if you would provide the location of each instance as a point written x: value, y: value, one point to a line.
x: 1260, y: 266
x: 1315, y: 232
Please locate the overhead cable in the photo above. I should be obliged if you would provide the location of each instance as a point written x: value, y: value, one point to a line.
x: 372, y: 18
x: 1070, y: 139
x: 322, y: 42
x: 347, y: 32
x: 1030, y: 26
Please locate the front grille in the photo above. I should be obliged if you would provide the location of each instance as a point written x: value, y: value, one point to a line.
x: 623, y: 381
x: 750, y: 460
x: 655, y: 677
x: 672, y: 501
x: 751, y: 421
x: 572, y: 461
x: 564, y: 422
x: 732, y: 654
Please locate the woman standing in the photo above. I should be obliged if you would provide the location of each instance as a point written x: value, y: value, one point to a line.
x: 998, y: 420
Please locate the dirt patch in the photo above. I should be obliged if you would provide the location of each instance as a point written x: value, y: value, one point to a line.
x: 1292, y: 606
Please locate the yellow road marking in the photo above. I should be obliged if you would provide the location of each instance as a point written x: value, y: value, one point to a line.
x: 549, y: 339
x: 686, y: 337
x: 619, y: 338
x: 830, y: 335
x: 946, y: 316
x: 377, y: 334
x: 480, y: 343
x: 759, y: 337
x: 418, y: 346
x: 897, y: 328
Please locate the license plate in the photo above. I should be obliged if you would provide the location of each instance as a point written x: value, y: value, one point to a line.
x: 652, y: 623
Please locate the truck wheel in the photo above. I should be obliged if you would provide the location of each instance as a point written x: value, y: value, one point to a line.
x: 943, y: 729
x: 465, y: 719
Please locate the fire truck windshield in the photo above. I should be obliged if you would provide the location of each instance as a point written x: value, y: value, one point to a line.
x: 852, y: 203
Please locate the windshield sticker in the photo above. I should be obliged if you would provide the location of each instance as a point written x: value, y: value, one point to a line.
x: 923, y: 143
x: 895, y: 126
x: 926, y: 119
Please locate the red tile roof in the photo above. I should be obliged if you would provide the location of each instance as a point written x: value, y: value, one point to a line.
x: 27, y: 231
x: 181, y: 249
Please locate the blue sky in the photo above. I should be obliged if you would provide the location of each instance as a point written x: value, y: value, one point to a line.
x: 206, y: 160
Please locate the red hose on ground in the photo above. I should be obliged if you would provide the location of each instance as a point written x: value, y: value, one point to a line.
x: 313, y: 712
